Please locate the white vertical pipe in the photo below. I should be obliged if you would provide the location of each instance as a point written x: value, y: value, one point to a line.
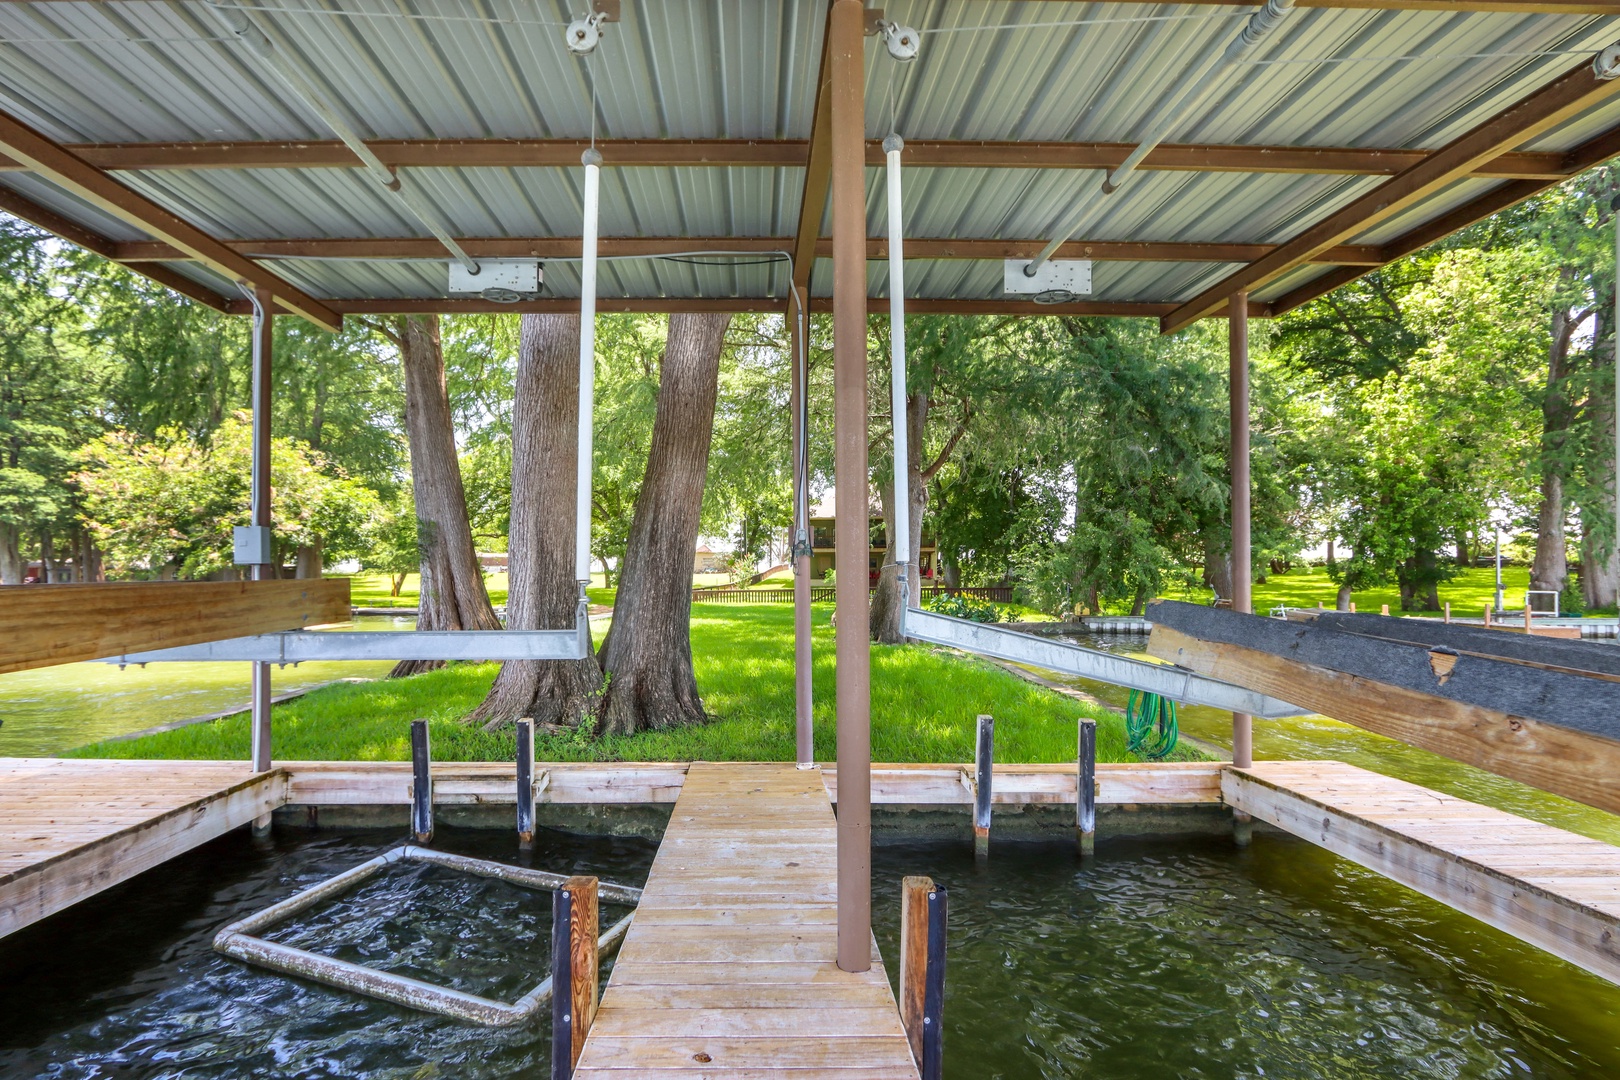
x: 900, y: 541
x: 592, y: 160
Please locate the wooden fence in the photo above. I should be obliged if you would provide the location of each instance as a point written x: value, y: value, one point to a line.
x: 825, y: 594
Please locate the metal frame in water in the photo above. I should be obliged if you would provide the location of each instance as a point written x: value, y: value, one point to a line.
x: 239, y: 940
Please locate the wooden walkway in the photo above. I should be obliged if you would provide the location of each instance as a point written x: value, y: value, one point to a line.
x: 69, y: 829
x: 728, y: 970
x: 1548, y: 887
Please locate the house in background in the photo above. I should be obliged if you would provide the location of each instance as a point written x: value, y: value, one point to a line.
x: 707, y: 561
x: 824, y: 516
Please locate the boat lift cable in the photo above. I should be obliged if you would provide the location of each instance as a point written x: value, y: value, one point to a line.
x: 259, y: 45
x: 1194, y: 90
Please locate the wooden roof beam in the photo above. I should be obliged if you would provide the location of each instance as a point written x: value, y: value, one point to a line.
x: 1516, y: 7
x: 26, y: 209
x: 721, y: 153
x: 71, y: 173
x: 821, y: 304
x: 566, y: 247
x: 1577, y: 90
x: 817, y: 170
x: 1594, y: 151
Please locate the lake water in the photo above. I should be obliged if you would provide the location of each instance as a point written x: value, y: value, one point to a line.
x: 1169, y: 955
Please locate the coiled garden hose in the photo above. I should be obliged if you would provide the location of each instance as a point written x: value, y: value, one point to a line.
x: 1150, y: 725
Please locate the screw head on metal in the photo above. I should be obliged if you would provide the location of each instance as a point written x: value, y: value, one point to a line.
x: 1606, y: 64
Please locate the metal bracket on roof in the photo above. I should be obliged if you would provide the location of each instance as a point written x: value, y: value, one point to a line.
x: 605, y: 10
x: 874, y: 21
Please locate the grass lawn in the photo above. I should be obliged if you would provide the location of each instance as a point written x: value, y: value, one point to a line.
x: 373, y: 590
x: 924, y: 704
x: 1468, y: 592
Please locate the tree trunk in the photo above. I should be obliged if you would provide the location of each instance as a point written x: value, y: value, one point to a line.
x: 11, y: 563
x: 1341, y: 601
x: 885, y: 614
x: 452, y: 592
x: 1217, y: 564
x: 647, y: 654
x: 1550, y: 569
x: 47, y: 558
x: 543, y: 593
x: 310, y: 560
x: 1600, y: 555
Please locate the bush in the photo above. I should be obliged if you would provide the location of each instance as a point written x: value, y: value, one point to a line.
x: 963, y: 608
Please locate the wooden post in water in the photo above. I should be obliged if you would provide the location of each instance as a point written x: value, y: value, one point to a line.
x: 421, y: 783
x: 1085, y: 805
x: 574, y: 973
x: 923, y: 918
x: 933, y: 1039
x: 525, y: 783
x: 984, y: 757
x: 913, y: 957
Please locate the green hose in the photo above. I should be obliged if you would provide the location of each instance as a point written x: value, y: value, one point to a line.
x: 1150, y: 725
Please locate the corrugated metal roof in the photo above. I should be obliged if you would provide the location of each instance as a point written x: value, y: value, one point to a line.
x: 165, y: 70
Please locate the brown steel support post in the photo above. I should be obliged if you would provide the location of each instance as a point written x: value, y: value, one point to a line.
x: 846, y: 32
x: 263, y: 340
x: 804, y: 719
x: 1242, y: 596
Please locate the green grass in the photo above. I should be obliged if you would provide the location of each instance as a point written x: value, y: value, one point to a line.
x: 924, y: 704
x: 373, y: 590
x: 1307, y: 586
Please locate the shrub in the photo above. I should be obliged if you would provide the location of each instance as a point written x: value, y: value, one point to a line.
x: 963, y: 608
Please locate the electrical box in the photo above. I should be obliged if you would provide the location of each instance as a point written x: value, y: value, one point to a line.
x: 1061, y: 275
x: 251, y: 544
x: 505, y: 281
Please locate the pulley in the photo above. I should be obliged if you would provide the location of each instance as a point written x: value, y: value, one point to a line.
x: 902, y: 41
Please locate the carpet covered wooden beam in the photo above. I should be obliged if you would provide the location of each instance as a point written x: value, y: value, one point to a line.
x: 1557, y: 730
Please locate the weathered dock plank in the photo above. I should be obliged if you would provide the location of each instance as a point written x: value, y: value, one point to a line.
x: 728, y: 970
x: 69, y: 829
x: 1551, y: 888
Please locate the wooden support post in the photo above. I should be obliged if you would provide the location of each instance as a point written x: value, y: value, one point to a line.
x: 933, y: 1055
x: 1237, y: 322
x: 846, y: 96
x: 1384, y: 610
x: 1527, y: 614
x: 525, y: 783
x: 1487, y: 614
x: 1085, y: 805
x: 914, y: 957
x: 984, y: 752
x: 574, y: 977
x: 421, y: 783
x: 923, y: 920
x: 1448, y: 611
x: 1352, y: 607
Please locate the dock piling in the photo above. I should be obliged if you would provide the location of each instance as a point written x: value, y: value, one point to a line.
x: 421, y: 783
x: 922, y: 971
x: 1085, y: 804
x: 574, y: 918
x: 525, y: 783
x: 984, y: 755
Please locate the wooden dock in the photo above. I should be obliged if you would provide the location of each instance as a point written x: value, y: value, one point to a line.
x: 729, y: 967
x: 1545, y: 886
x: 69, y: 829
